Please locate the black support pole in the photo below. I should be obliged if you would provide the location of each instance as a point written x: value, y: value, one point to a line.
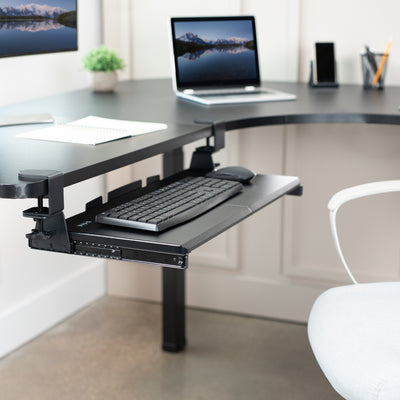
x: 173, y: 309
x: 173, y: 280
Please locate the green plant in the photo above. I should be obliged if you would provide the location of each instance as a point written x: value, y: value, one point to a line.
x: 102, y: 59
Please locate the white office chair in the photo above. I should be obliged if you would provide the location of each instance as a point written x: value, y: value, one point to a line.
x: 354, y: 330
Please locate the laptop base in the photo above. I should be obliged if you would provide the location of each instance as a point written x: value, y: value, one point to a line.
x: 215, y: 99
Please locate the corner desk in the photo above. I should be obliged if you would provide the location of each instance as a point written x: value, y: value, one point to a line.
x: 38, y: 169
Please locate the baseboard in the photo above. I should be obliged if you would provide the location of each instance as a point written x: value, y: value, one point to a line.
x: 30, y: 318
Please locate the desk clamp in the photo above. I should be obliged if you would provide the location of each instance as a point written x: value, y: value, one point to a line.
x: 202, y: 156
x: 51, y: 231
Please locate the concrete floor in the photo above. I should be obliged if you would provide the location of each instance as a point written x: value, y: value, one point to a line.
x: 111, y: 350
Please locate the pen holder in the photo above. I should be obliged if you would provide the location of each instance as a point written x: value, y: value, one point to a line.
x: 372, y: 69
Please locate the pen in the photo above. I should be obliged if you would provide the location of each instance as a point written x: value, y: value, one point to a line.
x: 382, y: 63
x: 370, y: 71
x: 371, y: 58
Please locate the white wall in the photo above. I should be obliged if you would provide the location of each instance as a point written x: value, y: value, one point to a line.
x: 344, y: 154
x: 287, y: 31
x: 38, y: 289
x: 351, y: 25
x: 146, y: 24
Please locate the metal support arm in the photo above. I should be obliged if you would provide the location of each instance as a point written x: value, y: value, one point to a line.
x: 51, y: 231
x: 202, y: 157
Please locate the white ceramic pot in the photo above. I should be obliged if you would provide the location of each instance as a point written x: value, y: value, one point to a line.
x: 104, y: 81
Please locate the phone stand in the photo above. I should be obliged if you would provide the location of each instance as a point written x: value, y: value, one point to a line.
x: 313, y: 84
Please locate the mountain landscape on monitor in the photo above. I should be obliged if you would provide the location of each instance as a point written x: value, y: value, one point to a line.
x: 37, y: 12
x: 30, y: 28
x: 30, y: 10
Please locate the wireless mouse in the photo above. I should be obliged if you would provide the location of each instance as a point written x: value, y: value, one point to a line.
x: 236, y: 173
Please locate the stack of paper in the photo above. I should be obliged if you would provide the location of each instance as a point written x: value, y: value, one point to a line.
x: 93, y: 130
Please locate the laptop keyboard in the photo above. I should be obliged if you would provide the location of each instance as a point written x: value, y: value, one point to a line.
x: 172, y: 204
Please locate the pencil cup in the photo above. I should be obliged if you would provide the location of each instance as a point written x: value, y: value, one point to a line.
x: 374, y: 67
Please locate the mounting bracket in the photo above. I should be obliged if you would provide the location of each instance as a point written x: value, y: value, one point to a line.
x: 202, y: 156
x: 51, y: 231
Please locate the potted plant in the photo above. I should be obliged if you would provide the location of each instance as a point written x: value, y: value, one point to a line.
x: 103, y: 63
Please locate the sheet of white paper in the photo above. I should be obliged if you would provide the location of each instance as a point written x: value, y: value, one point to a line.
x: 93, y: 130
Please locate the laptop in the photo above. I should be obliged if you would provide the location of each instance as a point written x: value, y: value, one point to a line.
x: 215, y: 61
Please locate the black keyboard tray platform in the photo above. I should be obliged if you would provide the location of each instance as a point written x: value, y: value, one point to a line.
x: 172, y: 247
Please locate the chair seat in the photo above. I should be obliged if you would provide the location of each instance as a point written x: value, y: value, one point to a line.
x: 354, y: 332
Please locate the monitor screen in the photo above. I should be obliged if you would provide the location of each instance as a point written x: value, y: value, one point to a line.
x: 41, y: 26
x: 215, y: 51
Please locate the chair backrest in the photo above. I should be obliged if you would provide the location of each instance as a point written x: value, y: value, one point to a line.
x: 352, y: 193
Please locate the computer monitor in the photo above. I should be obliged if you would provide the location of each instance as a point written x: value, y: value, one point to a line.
x: 36, y: 27
x: 30, y: 28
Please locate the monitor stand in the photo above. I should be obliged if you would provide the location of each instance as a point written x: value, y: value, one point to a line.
x: 9, y: 120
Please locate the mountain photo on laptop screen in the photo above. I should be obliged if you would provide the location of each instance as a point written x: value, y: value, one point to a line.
x: 215, y: 51
x: 27, y: 27
x: 215, y: 61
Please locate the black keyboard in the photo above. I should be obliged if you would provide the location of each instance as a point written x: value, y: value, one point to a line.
x: 172, y: 204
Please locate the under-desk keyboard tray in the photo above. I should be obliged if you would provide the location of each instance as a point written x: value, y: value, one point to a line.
x: 172, y: 246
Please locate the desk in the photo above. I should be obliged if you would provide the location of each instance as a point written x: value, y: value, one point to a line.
x: 153, y: 100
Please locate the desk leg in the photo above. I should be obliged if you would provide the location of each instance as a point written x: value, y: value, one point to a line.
x: 173, y: 281
x: 173, y: 310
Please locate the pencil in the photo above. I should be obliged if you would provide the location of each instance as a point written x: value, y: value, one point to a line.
x: 382, y: 63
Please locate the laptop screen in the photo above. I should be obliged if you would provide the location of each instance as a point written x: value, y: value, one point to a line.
x: 215, y: 52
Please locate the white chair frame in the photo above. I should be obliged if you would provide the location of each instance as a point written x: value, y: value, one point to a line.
x: 352, y: 193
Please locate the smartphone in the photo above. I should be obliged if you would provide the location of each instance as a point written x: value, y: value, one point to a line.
x: 325, y: 62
